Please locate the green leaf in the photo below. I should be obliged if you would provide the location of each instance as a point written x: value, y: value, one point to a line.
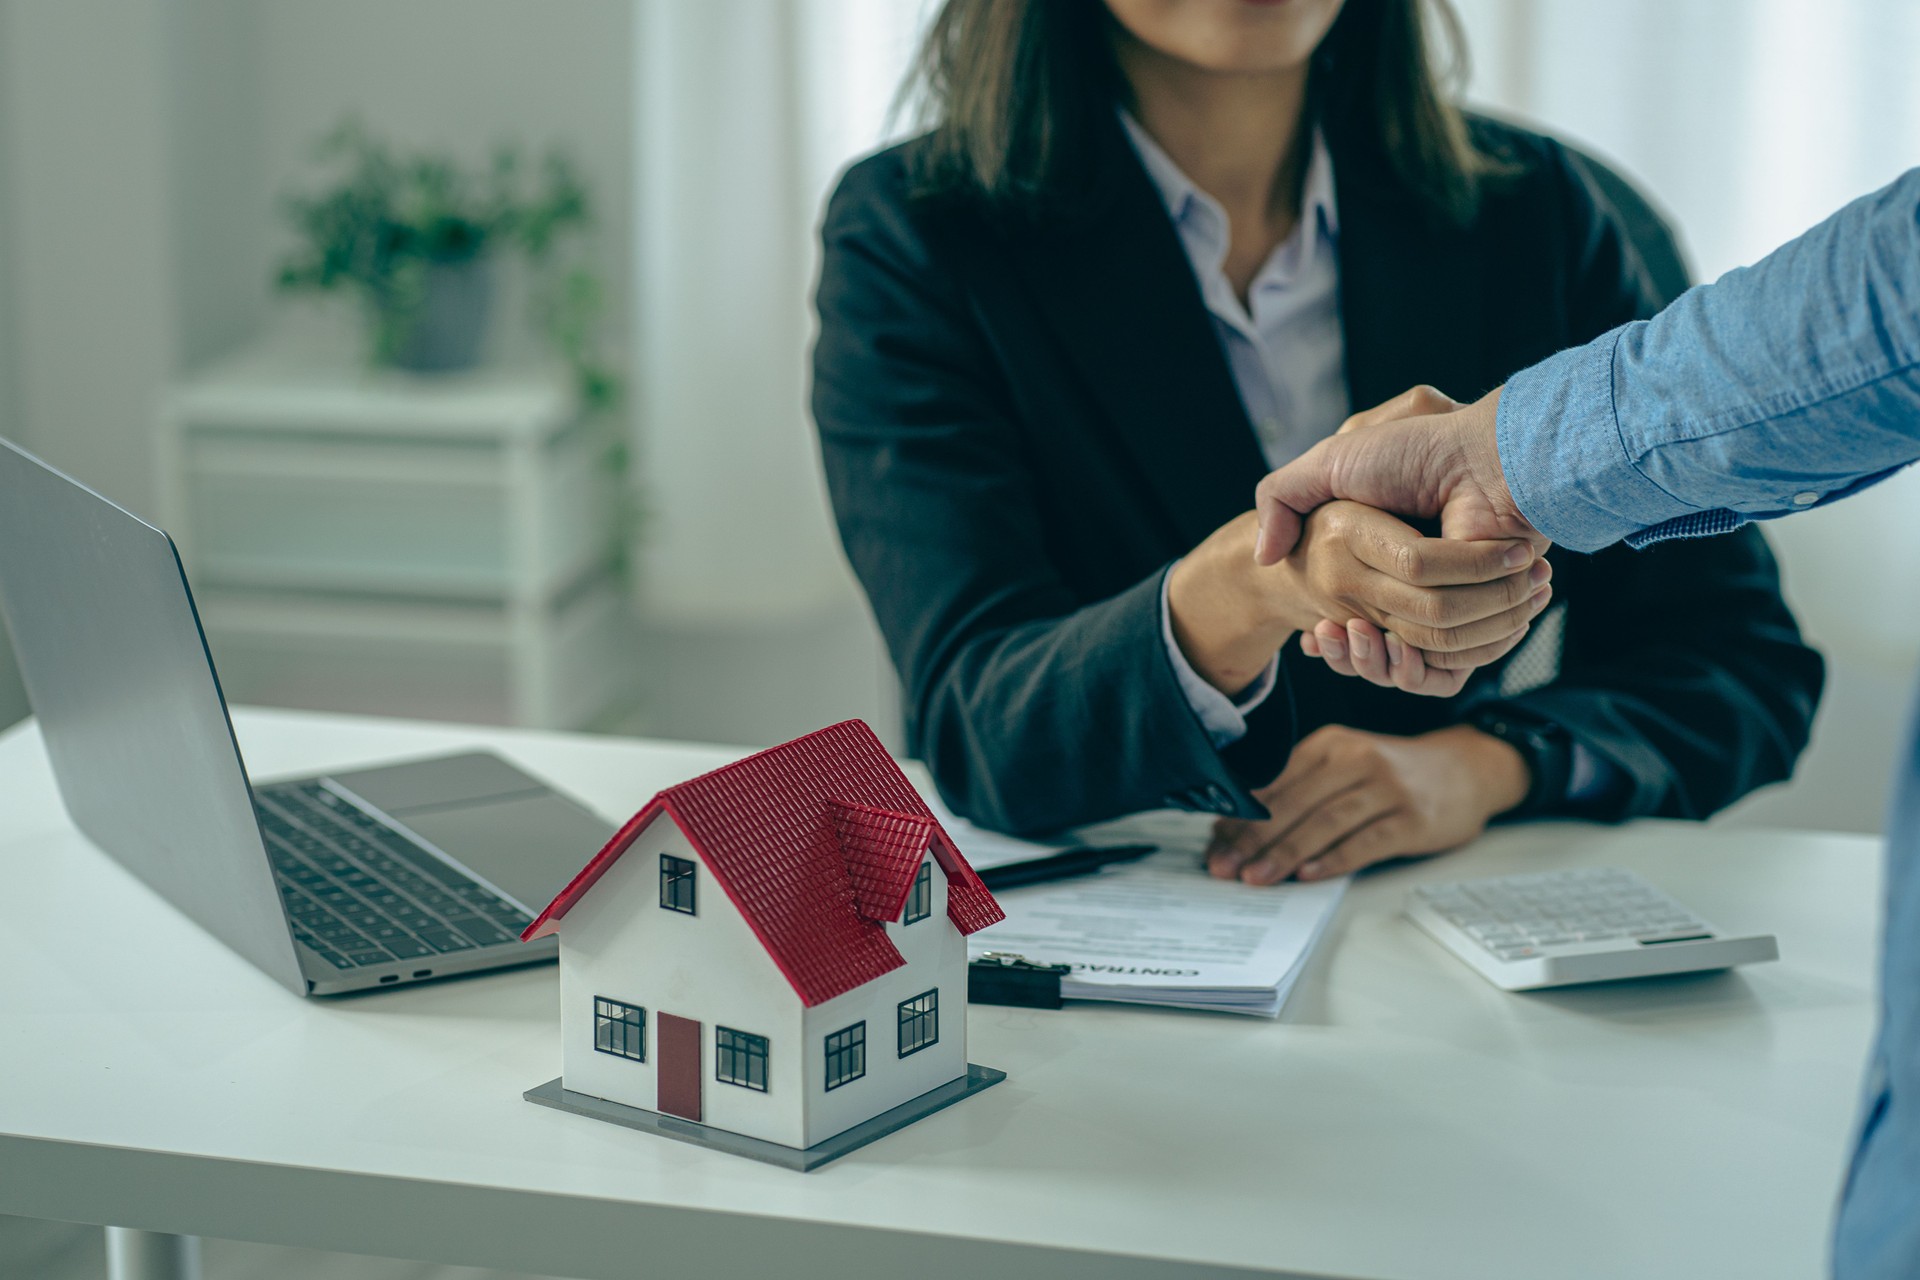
x: 386, y: 215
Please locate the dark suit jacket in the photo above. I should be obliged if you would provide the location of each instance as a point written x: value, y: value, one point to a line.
x: 1024, y: 421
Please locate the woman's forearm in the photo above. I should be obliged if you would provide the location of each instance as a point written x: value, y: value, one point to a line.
x: 1228, y: 625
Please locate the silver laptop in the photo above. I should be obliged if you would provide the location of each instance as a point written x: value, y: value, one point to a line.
x: 371, y: 878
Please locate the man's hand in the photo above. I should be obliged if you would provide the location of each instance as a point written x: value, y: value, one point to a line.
x: 1348, y: 798
x: 1414, y: 456
x: 1464, y: 603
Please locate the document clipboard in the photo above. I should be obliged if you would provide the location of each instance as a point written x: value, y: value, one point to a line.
x: 1000, y: 977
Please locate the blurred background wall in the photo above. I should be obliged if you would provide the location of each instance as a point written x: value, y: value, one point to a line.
x: 748, y: 109
x: 13, y: 699
x: 145, y: 146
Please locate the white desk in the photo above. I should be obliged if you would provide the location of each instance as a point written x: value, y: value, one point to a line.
x: 1405, y: 1120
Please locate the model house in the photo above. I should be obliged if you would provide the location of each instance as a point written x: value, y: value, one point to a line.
x: 776, y: 949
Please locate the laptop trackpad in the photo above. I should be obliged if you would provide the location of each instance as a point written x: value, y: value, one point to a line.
x: 528, y: 845
x: 506, y: 826
x: 438, y: 781
x: 500, y: 822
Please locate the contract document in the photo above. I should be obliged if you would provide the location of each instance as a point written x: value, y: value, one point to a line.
x: 1161, y: 931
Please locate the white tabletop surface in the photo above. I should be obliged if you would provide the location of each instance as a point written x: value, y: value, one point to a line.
x: 1404, y: 1119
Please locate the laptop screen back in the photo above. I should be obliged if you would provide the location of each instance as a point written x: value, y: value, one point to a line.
x: 117, y: 671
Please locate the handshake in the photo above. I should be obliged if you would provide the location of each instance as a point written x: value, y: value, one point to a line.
x: 1322, y: 556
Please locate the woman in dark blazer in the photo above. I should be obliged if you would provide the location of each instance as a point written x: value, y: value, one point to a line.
x: 1033, y: 390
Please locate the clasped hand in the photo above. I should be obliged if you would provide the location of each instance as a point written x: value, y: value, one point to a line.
x: 1421, y: 453
x: 1409, y: 612
x: 1412, y: 612
x: 1358, y: 645
x: 1370, y: 595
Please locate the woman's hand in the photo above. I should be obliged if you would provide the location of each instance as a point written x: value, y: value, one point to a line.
x: 1349, y: 798
x: 1464, y: 603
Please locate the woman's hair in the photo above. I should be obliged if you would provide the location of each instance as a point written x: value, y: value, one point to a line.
x: 1013, y: 89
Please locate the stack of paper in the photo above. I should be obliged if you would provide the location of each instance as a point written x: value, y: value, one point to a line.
x: 1158, y: 931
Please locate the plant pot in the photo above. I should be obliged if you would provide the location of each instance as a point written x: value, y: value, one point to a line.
x: 440, y: 324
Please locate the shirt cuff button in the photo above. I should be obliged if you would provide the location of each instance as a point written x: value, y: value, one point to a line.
x: 1805, y: 499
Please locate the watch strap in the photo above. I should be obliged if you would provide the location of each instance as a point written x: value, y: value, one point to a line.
x: 1545, y: 746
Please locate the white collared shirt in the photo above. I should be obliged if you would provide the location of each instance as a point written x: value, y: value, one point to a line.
x: 1284, y: 347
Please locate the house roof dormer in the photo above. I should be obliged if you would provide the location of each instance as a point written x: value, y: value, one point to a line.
x: 816, y: 842
x: 883, y: 849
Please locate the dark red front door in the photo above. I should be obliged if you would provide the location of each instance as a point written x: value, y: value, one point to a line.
x: 679, y: 1066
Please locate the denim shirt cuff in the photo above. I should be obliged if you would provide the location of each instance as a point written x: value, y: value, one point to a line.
x: 1565, y: 463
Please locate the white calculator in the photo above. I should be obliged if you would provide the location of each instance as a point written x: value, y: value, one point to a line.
x: 1557, y: 928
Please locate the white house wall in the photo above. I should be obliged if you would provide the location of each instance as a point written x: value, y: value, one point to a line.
x: 936, y: 956
x: 619, y: 943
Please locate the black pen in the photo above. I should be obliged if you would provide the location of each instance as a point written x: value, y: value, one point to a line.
x: 1068, y: 862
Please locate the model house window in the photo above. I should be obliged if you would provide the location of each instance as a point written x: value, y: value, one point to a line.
x: 919, y: 1022
x: 620, y: 1029
x: 739, y: 1058
x: 846, y: 1055
x: 676, y: 883
x: 920, y: 901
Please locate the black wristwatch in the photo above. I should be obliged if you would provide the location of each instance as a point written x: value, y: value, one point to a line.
x: 1544, y: 745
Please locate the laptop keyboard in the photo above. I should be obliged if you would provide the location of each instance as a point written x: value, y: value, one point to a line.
x: 360, y: 893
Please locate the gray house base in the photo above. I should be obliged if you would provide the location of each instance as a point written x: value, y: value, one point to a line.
x: 553, y: 1094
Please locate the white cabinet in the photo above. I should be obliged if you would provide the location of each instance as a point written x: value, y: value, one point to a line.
x: 370, y: 540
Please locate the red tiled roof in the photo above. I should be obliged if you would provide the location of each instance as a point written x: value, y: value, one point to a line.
x: 815, y: 841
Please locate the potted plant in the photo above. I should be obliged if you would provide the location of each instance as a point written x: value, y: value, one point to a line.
x: 417, y: 237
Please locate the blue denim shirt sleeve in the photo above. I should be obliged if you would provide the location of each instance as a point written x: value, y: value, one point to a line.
x: 1779, y: 387
x: 1877, y: 1233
